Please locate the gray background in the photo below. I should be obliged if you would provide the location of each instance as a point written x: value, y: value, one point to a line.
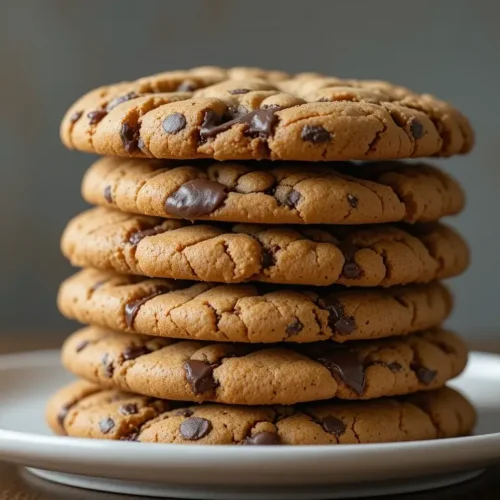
x: 52, y: 51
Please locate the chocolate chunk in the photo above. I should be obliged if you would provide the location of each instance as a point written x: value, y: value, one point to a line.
x: 186, y: 86
x: 136, y: 237
x: 135, y: 351
x: 337, y: 321
x: 118, y: 100
x: 353, y: 201
x: 416, y: 128
x: 82, y: 345
x: 96, y: 116
x: 199, y: 375
x: 239, y: 91
x: 142, y: 146
x: 75, y: 116
x: 132, y: 308
x: 347, y: 365
x: 346, y: 325
x: 351, y: 270
x: 184, y: 412
x: 174, y: 123
x: 293, y: 198
x: 263, y: 438
x: 130, y: 137
x: 294, y: 328
x: 333, y: 425
x: 195, y: 428
x: 268, y: 257
x: 315, y: 134
x: 196, y: 198
x: 108, y: 195
x: 107, y: 363
x: 259, y: 123
x: 425, y: 375
x: 128, y: 409
x: 106, y: 425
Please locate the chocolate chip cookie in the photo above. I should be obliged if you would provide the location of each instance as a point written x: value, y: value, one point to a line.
x: 86, y: 411
x: 274, y: 193
x: 250, y: 312
x: 246, y: 113
x: 250, y: 374
x: 306, y: 255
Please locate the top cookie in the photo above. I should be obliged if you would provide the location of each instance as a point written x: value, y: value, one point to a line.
x: 247, y: 113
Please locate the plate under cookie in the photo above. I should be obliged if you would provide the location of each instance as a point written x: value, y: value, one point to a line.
x: 223, y: 472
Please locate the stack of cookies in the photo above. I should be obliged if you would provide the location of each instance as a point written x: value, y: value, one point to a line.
x: 297, y: 297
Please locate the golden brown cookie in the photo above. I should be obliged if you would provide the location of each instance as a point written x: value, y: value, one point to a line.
x: 83, y: 410
x: 246, y: 113
x: 250, y: 312
x: 250, y: 374
x: 306, y: 255
x: 283, y: 193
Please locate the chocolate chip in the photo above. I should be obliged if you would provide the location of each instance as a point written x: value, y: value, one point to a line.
x: 337, y: 320
x: 106, y: 425
x: 416, y: 128
x: 199, y: 375
x: 347, y: 365
x: 96, y: 116
x: 353, y: 201
x: 195, y: 428
x: 351, y: 270
x: 132, y: 308
x: 136, y: 237
x: 259, y: 123
x: 294, y: 328
x: 186, y: 86
x: 128, y: 409
x: 118, y: 100
x: 82, y: 345
x: 293, y: 198
x: 75, y: 116
x: 142, y: 146
x: 346, y: 325
x: 174, y: 123
x: 184, y: 412
x: 107, y: 363
x: 108, y: 196
x: 134, y: 351
x: 333, y: 425
x: 263, y: 438
x: 425, y: 375
x: 239, y: 91
x: 130, y: 137
x: 195, y: 198
x: 268, y: 257
x: 315, y: 134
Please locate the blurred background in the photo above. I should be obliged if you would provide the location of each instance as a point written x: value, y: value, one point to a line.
x: 53, y: 51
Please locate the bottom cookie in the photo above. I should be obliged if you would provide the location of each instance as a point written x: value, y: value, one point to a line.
x: 84, y: 410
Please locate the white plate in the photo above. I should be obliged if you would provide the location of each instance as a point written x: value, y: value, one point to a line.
x: 223, y: 472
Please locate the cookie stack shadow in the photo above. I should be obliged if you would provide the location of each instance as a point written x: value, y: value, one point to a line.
x: 298, y: 297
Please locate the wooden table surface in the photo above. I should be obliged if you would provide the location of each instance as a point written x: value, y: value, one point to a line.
x: 17, y: 484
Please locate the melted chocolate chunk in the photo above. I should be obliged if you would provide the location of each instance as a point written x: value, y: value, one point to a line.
x: 174, y: 123
x: 314, y: 134
x: 129, y: 409
x: 186, y: 86
x: 195, y: 428
x: 195, y: 198
x: 333, y: 425
x: 263, y: 438
x: 135, y: 351
x: 107, y: 363
x: 425, y: 375
x: 199, y: 375
x: 75, y: 116
x: 347, y: 365
x: 118, y: 100
x: 82, y: 345
x: 106, y: 425
x: 416, y: 128
x: 294, y: 328
x: 337, y: 320
x: 130, y: 137
x: 239, y: 91
x: 96, y: 116
x: 353, y: 201
x: 259, y: 123
x: 136, y: 237
x: 293, y: 198
x: 108, y: 195
x: 132, y: 308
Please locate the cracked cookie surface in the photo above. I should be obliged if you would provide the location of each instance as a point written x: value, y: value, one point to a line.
x: 364, y: 256
x: 250, y: 312
x: 272, y: 374
x: 248, y: 113
x: 84, y: 410
x: 270, y: 193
